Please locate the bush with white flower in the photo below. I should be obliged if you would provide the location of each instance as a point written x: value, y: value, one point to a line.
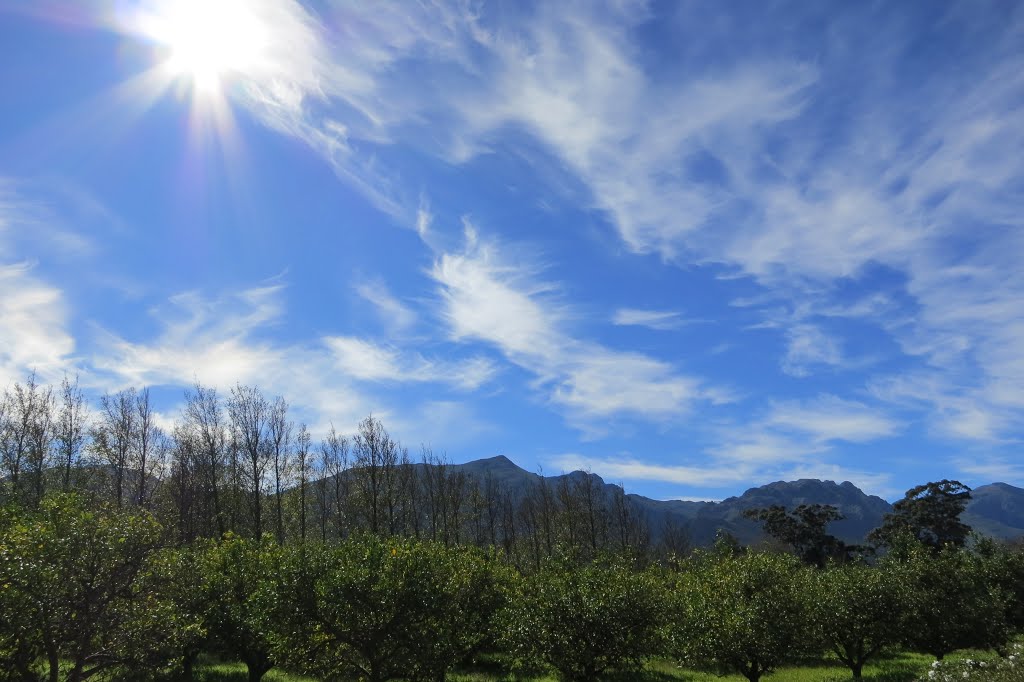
x: 1007, y: 669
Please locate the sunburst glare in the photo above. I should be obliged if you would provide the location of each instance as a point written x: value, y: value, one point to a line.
x: 208, y: 41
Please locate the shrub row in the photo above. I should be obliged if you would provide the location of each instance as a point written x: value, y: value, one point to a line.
x: 84, y: 592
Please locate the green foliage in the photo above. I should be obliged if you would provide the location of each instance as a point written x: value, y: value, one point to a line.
x: 384, y: 609
x: 857, y: 611
x: 930, y: 513
x: 178, y: 575
x: 72, y: 592
x: 1004, y: 569
x: 951, y: 604
x: 803, y: 529
x: 239, y: 580
x: 586, y: 620
x: 748, y: 614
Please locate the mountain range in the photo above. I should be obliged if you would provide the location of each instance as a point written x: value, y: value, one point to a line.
x: 996, y: 510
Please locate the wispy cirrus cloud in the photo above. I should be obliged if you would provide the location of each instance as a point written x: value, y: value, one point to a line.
x: 396, y: 315
x: 504, y: 303
x: 33, y: 327
x: 660, y: 320
x: 34, y: 314
x: 225, y: 340
x: 830, y: 418
x: 367, y: 361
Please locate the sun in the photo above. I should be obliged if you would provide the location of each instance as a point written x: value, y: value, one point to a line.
x: 208, y: 41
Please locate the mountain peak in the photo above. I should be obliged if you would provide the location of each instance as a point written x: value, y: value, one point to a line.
x: 498, y: 461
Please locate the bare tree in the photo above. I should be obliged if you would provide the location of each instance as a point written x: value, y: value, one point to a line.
x: 589, y: 491
x: 529, y: 521
x: 509, y: 528
x: 70, y: 429
x: 186, y: 481
x: 149, y: 448
x: 40, y: 440
x: 457, y: 495
x: 114, y: 435
x: 447, y: 495
x: 334, y: 483
x: 435, y: 469
x: 409, y: 494
x: 303, y: 470
x: 375, y: 459
x: 280, y: 432
x: 250, y: 429
x: 203, y: 422
x: 25, y: 432
x: 630, y: 527
x: 676, y: 541
x: 570, y: 511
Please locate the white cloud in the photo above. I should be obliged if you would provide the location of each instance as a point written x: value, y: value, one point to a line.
x: 487, y: 297
x: 223, y: 341
x: 830, y: 418
x: 365, y: 360
x: 34, y: 315
x: 987, y: 469
x: 395, y: 314
x: 807, y: 348
x: 661, y: 320
x: 33, y: 327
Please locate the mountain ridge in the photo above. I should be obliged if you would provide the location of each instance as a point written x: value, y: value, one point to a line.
x: 995, y: 509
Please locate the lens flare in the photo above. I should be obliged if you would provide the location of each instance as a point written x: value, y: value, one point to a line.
x: 209, y: 41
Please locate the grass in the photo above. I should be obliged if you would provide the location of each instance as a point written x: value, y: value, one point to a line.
x: 219, y: 671
x: 898, y: 667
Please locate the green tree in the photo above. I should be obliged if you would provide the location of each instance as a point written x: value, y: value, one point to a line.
x: 1004, y: 568
x: 952, y: 605
x: 72, y: 592
x: 803, y: 529
x: 178, y: 576
x: 383, y: 609
x: 742, y: 613
x: 239, y: 574
x: 857, y: 611
x: 930, y: 513
x: 586, y: 620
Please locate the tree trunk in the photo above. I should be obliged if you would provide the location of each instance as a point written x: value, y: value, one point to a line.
x: 53, y: 656
x: 188, y: 665
x: 258, y: 668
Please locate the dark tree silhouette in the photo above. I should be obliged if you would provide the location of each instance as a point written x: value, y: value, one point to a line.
x: 930, y: 513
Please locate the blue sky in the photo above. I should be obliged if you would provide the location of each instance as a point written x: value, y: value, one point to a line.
x: 693, y: 247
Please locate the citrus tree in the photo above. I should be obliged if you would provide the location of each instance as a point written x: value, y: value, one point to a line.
x: 73, y: 596
x: 583, y: 621
x: 952, y: 603
x: 239, y: 578
x: 858, y: 611
x: 383, y: 609
x: 745, y: 613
